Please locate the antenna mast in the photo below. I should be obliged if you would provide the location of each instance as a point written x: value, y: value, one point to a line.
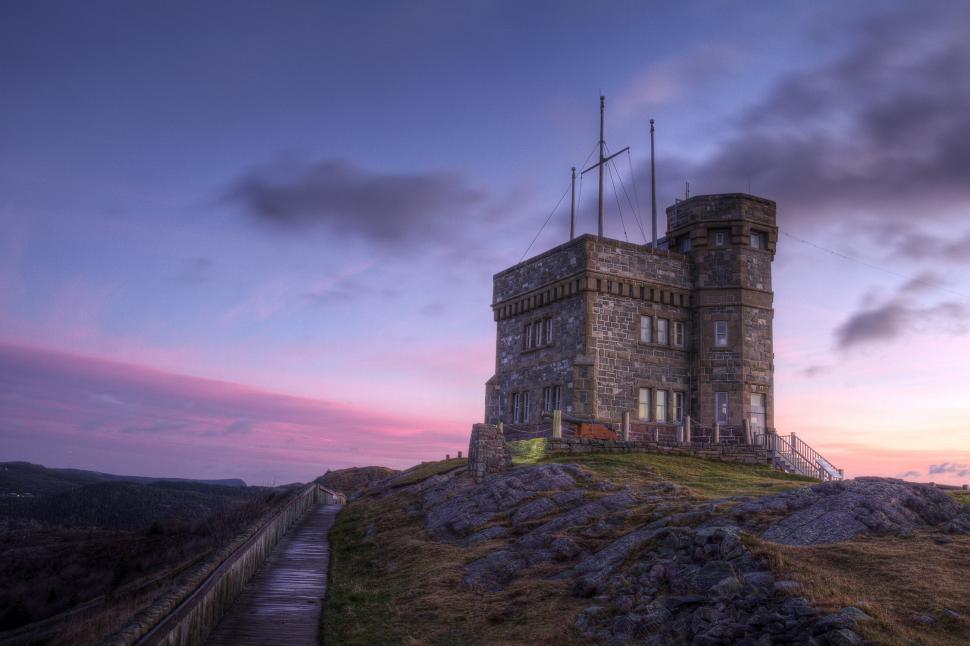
x: 653, y: 189
x: 601, y: 164
x: 572, y: 208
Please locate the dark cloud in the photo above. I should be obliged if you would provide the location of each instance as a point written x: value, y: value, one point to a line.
x: 878, y: 135
x: 922, y: 246
x: 923, y: 281
x: 195, y: 271
x: 384, y: 208
x: 960, y: 470
x: 892, y: 320
x: 816, y: 371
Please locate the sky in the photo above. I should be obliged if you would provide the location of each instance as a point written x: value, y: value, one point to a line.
x: 247, y: 239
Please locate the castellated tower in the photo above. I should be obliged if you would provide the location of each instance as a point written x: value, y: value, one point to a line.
x: 599, y: 327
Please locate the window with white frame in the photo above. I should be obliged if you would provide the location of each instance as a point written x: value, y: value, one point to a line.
x: 663, y: 326
x: 757, y: 240
x: 527, y: 337
x: 660, y: 405
x: 548, y: 331
x: 721, y: 334
x: 516, y: 408
x: 679, y: 334
x: 547, y: 399
x: 556, y: 398
x: 720, y: 238
x: 678, y: 406
x: 643, y: 409
x: 721, y: 407
x: 758, y: 413
x: 646, y: 329
x: 525, y: 406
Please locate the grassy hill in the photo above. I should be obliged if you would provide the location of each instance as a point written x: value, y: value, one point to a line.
x: 355, y: 479
x: 405, y: 558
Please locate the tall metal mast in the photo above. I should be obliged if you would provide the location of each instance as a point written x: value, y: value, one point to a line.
x: 601, y: 164
x: 653, y: 189
x: 572, y: 208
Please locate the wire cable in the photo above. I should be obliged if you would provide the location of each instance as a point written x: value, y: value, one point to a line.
x: 616, y: 194
x: 549, y: 217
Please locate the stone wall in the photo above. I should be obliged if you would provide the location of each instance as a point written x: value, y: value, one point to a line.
x: 487, y: 451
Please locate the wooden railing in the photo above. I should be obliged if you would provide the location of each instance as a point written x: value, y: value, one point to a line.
x: 796, y: 456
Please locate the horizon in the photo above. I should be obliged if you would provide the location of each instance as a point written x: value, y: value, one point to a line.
x: 258, y: 243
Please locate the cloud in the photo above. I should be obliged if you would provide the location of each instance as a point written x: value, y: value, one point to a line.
x: 960, y: 470
x: 923, y: 246
x: 672, y: 79
x: 195, y: 271
x: 893, y: 320
x: 383, y: 208
x: 882, y: 132
x: 816, y: 371
x: 923, y: 281
x: 177, y: 424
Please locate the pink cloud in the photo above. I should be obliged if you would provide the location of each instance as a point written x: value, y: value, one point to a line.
x: 181, y: 424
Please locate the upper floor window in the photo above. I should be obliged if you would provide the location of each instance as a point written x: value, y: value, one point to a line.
x: 527, y: 337
x: 720, y: 334
x: 663, y: 325
x: 757, y: 240
x: 685, y: 244
x: 721, y: 407
x: 720, y: 238
x: 679, y: 334
x: 646, y: 329
x: 643, y: 404
x: 537, y: 334
x: 548, y: 330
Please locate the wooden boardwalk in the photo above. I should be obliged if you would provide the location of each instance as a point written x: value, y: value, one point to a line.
x: 282, y: 603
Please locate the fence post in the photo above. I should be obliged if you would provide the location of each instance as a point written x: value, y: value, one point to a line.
x: 717, y: 434
x: 626, y: 426
x: 746, y: 428
x: 687, y: 435
x: 557, y: 424
x: 656, y: 435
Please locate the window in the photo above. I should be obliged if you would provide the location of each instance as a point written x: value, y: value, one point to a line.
x: 548, y: 330
x: 720, y: 238
x: 679, y: 334
x: 537, y: 333
x: 643, y: 410
x: 660, y: 405
x: 720, y: 334
x: 527, y: 337
x: 685, y: 244
x: 646, y: 329
x: 556, y: 398
x: 757, y: 241
x: 662, y: 326
x: 721, y: 407
x: 516, y: 408
x: 678, y: 403
x: 757, y: 413
x: 525, y: 406
x: 547, y: 399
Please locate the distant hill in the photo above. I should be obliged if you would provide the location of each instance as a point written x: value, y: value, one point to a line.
x: 24, y: 478
x: 354, y: 480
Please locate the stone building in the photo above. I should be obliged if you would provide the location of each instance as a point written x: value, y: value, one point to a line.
x: 597, y: 327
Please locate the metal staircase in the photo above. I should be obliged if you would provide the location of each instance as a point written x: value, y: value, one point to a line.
x: 790, y: 454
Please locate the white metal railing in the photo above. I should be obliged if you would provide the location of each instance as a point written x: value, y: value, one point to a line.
x: 794, y: 455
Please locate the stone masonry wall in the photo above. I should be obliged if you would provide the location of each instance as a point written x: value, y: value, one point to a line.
x: 487, y: 451
x: 721, y: 452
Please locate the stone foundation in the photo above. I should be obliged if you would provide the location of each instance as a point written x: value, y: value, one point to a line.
x: 487, y: 451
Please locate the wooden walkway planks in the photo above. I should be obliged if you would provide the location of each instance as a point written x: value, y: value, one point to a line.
x: 282, y: 603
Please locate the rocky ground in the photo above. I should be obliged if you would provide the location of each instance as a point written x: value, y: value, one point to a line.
x: 660, y: 566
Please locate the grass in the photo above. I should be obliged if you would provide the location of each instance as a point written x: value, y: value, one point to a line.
x: 707, y: 479
x: 890, y: 578
x: 962, y: 496
x: 392, y: 584
x: 528, y: 451
x: 425, y: 470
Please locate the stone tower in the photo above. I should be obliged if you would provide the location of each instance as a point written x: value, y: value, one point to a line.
x: 730, y: 240
x: 598, y: 327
